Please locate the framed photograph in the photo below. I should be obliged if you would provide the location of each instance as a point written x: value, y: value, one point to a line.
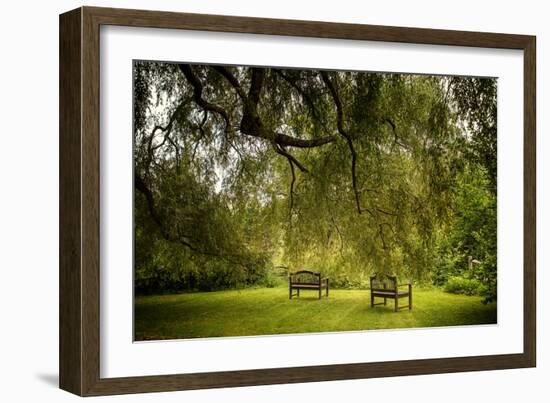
x: 249, y: 201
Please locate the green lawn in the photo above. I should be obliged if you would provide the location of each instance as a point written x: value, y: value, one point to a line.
x: 269, y: 311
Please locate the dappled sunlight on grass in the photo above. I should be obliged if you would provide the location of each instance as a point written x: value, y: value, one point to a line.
x: 265, y: 311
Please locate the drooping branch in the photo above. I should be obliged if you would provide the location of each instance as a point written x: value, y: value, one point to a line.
x: 256, y: 82
x: 251, y: 123
x: 182, y: 239
x: 282, y: 151
x: 394, y: 131
x: 140, y: 185
x: 345, y: 134
x: 337, y: 103
x: 381, y: 235
x: 293, y: 180
x: 291, y: 161
x: 386, y: 212
x: 339, y: 235
x: 390, y: 122
x: 197, y: 95
x: 305, y: 96
x: 224, y: 71
x: 167, y: 129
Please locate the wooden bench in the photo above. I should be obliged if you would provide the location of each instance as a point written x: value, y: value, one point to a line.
x: 384, y: 286
x: 306, y: 280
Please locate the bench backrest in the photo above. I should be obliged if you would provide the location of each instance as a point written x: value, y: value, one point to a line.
x: 381, y: 282
x: 305, y: 277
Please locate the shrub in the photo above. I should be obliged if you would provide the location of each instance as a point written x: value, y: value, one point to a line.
x: 273, y: 280
x: 461, y: 285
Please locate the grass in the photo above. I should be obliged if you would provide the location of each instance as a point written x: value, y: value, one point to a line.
x: 266, y: 311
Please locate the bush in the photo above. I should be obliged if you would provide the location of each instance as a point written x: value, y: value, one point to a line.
x: 461, y: 285
x: 273, y: 280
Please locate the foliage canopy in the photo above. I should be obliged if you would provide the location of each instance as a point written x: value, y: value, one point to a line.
x: 241, y: 169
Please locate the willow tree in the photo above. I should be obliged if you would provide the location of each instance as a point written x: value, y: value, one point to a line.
x: 242, y: 167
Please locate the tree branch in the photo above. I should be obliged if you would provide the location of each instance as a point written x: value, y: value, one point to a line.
x: 305, y: 96
x: 232, y: 80
x: 251, y: 123
x: 256, y: 84
x: 290, y: 141
x: 280, y: 150
x: 394, y: 130
x: 197, y: 95
x: 345, y: 134
x: 140, y: 185
x: 167, y: 131
x: 291, y: 205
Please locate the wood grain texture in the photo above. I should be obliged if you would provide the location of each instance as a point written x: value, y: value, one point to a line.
x: 70, y: 313
x: 315, y: 29
x: 530, y: 202
x: 90, y: 202
x: 80, y: 201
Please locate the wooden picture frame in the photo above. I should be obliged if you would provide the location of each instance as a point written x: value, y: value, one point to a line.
x: 79, y: 317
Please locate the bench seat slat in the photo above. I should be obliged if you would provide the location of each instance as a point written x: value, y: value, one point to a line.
x: 389, y: 293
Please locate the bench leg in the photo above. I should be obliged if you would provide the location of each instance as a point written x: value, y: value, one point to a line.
x: 371, y: 300
x: 327, y: 288
x: 385, y: 301
x: 320, y: 292
x: 298, y: 293
x: 410, y: 297
x: 289, y: 292
x: 396, y: 304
